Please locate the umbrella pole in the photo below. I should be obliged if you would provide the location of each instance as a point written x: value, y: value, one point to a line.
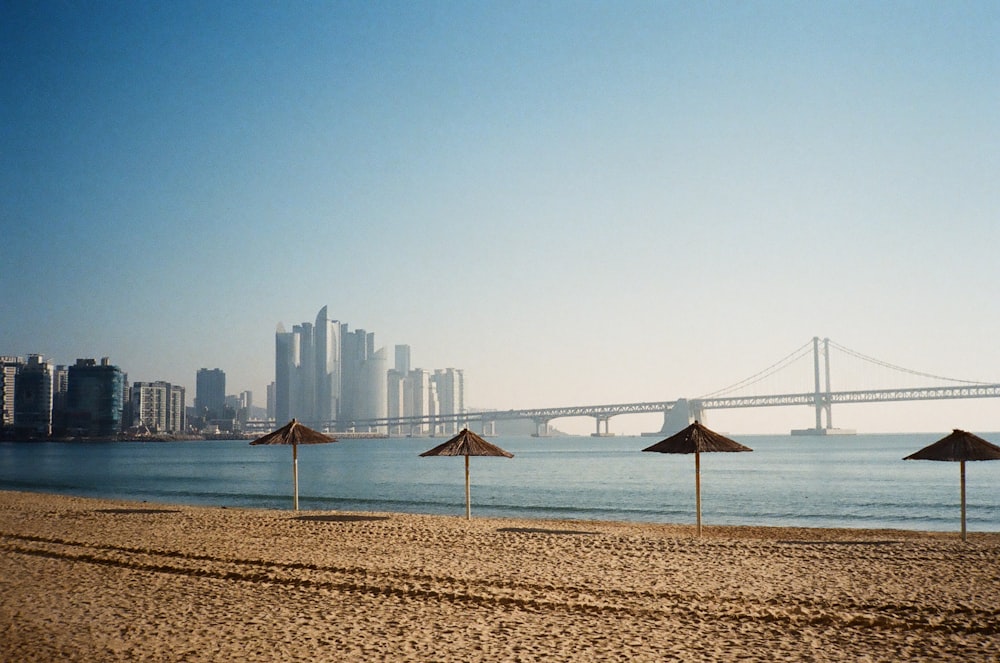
x: 963, y: 500
x: 468, y: 502
x: 697, y: 488
x: 295, y: 475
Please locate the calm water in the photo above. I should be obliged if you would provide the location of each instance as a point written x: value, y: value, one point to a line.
x: 856, y: 481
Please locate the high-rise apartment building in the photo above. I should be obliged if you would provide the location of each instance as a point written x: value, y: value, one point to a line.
x: 94, y: 398
x: 9, y: 367
x: 450, y: 387
x: 419, y: 399
x: 328, y: 366
x: 210, y: 393
x: 159, y: 406
x: 402, y: 365
x: 33, y: 397
x: 60, y: 386
x: 324, y: 373
x: 286, y: 361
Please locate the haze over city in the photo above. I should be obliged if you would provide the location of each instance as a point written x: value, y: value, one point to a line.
x: 573, y: 202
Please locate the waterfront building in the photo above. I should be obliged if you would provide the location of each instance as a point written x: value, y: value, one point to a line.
x: 395, y: 398
x: 177, y: 412
x: 286, y: 359
x: 327, y: 358
x: 324, y: 374
x: 210, y: 393
x: 9, y: 367
x: 363, y: 378
x: 60, y: 385
x: 33, y: 397
x: 372, y: 401
x: 94, y: 398
x: 304, y: 391
x: 159, y: 406
x: 450, y: 387
x: 419, y: 399
x: 327, y: 375
x: 402, y: 364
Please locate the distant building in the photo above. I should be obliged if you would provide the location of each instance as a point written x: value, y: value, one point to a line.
x: 159, y: 406
x: 402, y: 364
x: 9, y: 367
x: 33, y: 397
x: 419, y: 400
x: 325, y: 374
x: 270, y: 401
x: 60, y: 386
x: 94, y: 398
x: 210, y: 393
x: 395, y: 399
x: 450, y: 387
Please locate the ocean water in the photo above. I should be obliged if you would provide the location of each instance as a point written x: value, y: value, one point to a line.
x: 844, y: 481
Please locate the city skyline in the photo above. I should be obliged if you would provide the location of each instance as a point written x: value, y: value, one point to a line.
x: 575, y: 202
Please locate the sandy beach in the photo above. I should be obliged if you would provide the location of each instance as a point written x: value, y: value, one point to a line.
x: 98, y: 580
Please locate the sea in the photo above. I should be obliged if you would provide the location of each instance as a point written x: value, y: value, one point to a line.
x: 858, y: 481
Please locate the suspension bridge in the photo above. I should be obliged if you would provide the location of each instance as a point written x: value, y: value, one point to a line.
x: 678, y: 413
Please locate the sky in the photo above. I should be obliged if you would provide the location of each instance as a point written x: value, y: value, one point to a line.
x: 575, y: 202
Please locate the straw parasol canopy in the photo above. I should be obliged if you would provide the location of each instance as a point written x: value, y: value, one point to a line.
x: 959, y: 446
x: 696, y: 439
x: 467, y: 443
x: 294, y: 433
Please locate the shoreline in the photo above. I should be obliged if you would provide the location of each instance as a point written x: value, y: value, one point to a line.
x: 96, y: 579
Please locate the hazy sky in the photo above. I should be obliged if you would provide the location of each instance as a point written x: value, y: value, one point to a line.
x: 575, y: 202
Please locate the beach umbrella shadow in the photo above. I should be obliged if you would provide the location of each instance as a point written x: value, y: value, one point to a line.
x: 467, y: 443
x: 696, y: 439
x: 959, y: 446
x: 294, y: 433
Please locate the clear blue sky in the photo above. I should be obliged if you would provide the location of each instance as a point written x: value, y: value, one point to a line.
x: 576, y: 202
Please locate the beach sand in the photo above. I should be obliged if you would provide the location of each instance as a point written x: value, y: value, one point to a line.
x: 98, y: 580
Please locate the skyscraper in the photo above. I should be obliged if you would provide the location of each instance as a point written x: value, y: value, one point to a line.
x: 286, y: 360
x: 159, y: 406
x: 402, y: 365
x: 327, y: 357
x: 419, y: 399
x: 325, y: 373
x: 94, y: 398
x: 210, y: 393
x: 450, y: 383
x: 9, y: 367
x: 33, y: 397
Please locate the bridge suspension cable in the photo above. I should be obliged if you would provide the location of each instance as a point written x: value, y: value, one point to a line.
x: 776, y: 367
x: 885, y: 364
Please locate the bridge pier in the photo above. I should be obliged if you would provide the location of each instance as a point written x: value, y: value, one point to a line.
x: 541, y: 426
x: 489, y: 427
x: 602, y: 419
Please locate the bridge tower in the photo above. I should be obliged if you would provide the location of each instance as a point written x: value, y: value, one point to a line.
x: 682, y: 414
x: 821, y: 394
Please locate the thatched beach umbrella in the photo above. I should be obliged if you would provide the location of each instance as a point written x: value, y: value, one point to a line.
x: 467, y: 444
x: 959, y: 446
x: 696, y: 439
x: 294, y: 433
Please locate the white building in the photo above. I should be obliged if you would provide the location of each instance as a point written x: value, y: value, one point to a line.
x: 158, y: 406
x: 325, y: 373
